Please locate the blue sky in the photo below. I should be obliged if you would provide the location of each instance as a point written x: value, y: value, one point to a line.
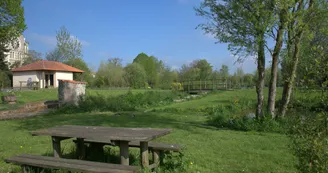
x: 117, y: 28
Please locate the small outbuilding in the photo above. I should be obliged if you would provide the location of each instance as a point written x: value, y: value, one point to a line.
x: 43, y: 73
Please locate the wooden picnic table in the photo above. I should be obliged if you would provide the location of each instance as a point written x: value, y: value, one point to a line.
x: 122, y: 136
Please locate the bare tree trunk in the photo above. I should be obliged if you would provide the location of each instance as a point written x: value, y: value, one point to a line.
x: 288, y: 85
x: 274, y: 68
x: 260, y: 82
x: 295, y: 32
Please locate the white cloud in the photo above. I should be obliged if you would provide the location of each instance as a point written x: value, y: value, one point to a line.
x: 51, y: 41
x: 47, y: 40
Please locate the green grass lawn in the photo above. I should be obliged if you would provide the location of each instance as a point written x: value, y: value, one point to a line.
x: 209, y: 149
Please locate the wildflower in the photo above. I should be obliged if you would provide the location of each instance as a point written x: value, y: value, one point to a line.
x: 21, y: 147
x: 191, y: 163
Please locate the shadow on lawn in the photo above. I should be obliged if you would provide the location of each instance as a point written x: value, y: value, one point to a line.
x: 125, y: 119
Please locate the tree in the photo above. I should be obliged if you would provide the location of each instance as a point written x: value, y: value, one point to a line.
x: 117, y: 62
x: 16, y: 64
x: 82, y: 65
x: 55, y: 55
x: 31, y: 57
x: 205, y: 68
x: 281, y: 11
x: 242, y: 24
x: 110, y: 74
x: 149, y: 64
x: 3, y: 64
x: 224, y: 72
x: 12, y: 25
x: 135, y: 75
x: 303, y: 12
x: 167, y: 77
x: 69, y: 47
x: 12, y: 20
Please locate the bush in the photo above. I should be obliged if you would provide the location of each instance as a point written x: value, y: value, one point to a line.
x: 125, y: 102
x: 238, y: 116
x: 309, y: 137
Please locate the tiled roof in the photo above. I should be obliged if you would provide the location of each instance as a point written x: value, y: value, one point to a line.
x: 47, y: 66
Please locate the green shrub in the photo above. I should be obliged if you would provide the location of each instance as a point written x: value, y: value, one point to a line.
x: 238, y: 116
x: 309, y: 138
x: 125, y: 102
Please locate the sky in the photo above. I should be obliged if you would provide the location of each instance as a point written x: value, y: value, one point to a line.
x: 165, y: 29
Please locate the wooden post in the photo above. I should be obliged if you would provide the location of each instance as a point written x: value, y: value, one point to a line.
x: 200, y: 84
x: 156, y: 154
x: 56, y: 146
x: 124, y: 152
x: 144, y: 154
x: 205, y: 85
x: 80, y: 148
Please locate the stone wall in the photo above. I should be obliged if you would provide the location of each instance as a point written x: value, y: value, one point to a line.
x: 70, y: 91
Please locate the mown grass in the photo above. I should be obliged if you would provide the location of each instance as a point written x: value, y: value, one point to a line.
x: 208, y: 148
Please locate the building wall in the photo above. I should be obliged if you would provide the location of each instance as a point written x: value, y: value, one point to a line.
x: 24, y: 76
x: 17, y: 50
x: 63, y: 76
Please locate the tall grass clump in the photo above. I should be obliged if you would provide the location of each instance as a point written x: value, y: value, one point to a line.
x: 124, y: 102
x: 239, y: 115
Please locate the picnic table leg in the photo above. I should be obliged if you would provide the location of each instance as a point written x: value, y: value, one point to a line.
x: 124, y: 152
x: 80, y: 148
x: 144, y: 154
x: 56, y: 146
x: 24, y: 169
x: 156, y: 154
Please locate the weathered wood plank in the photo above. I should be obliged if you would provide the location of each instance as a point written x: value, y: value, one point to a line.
x: 69, y: 164
x: 106, y: 133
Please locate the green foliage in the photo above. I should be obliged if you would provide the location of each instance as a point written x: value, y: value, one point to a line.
x: 82, y: 65
x: 70, y: 47
x: 125, y: 102
x: 309, y: 141
x: 149, y: 64
x: 177, y: 86
x: 166, y: 78
x: 4, y: 80
x: 238, y: 115
x: 135, y: 75
x: 12, y: 20
x: 32, y: 56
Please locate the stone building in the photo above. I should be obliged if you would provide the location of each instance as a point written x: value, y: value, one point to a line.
x: 18, y: 50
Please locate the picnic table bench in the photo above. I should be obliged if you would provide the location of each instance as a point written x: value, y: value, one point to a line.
x: 120, y: 136
x: 68, y: 164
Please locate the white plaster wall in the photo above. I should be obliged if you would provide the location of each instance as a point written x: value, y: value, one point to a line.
x: 63, y: 76
x: 23, y: 76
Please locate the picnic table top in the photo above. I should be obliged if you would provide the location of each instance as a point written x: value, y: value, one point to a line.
x: 104, y: 133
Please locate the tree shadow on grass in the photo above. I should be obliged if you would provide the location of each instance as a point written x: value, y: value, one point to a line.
x: 124, y: 119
